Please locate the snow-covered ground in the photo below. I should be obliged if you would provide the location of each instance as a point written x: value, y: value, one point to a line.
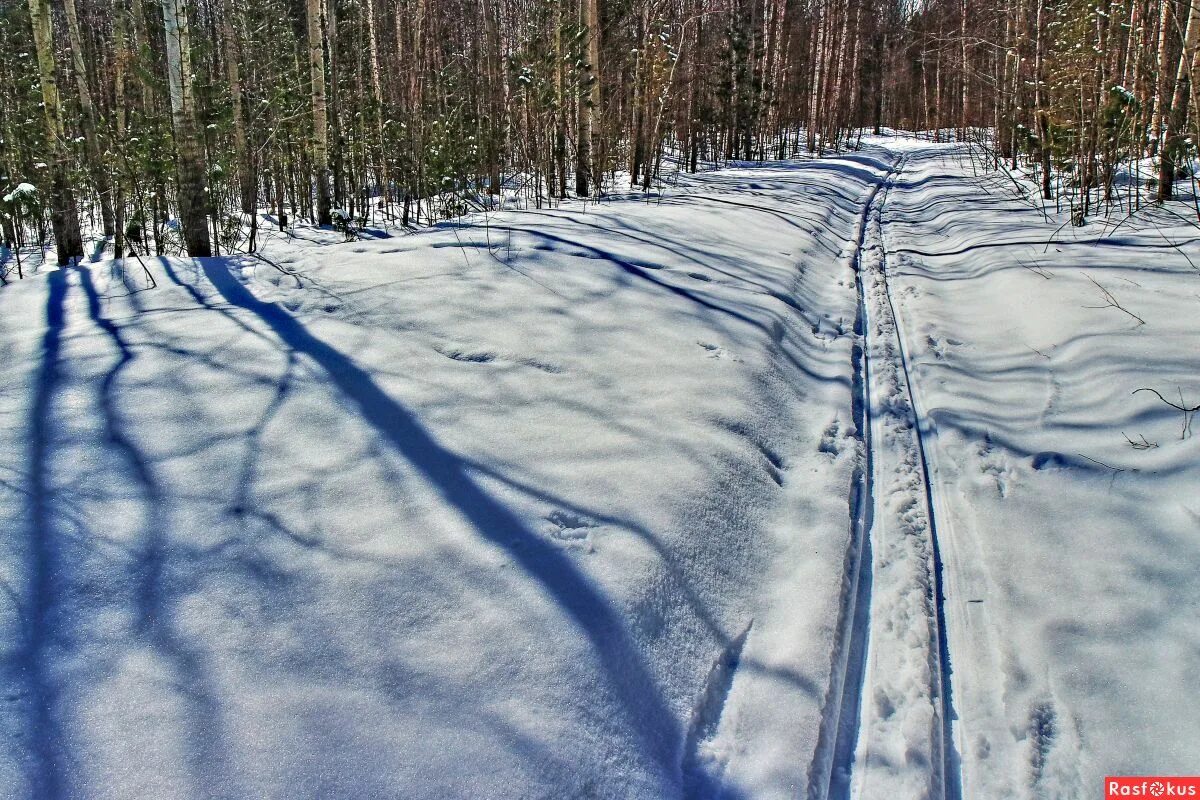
x: 629, y: 499
x: 1070, y: 555
x: 550, y: 506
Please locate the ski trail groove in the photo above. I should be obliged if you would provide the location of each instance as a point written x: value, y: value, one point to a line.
x: 849, y: 720
x: 831, y: 771
x: 948, y: 762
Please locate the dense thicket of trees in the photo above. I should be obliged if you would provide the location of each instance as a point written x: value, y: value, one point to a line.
x: 124, y: 115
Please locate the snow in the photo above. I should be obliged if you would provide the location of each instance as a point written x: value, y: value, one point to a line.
x: 23, y: 191
x: 631, y: 498
x: 548, y: 503
x: 1072, y: 598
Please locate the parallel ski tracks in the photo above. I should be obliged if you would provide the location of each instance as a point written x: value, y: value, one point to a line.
x: 948, y: 763
x: 834, y: 764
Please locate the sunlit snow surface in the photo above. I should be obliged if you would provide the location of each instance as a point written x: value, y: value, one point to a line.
x: 1071, y: 555
x: 554, y: 504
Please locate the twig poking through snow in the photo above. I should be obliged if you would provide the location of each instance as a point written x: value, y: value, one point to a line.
x: 1039, y: 271
x: 1110, y: 301
x: 1188, y: 413
x: 1139, y: 444
x: 1115, y: 470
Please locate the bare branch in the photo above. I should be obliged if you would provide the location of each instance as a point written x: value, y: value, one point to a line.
x: 1110, y: 301
x: 1182, y: 407
x: 1140, y: 444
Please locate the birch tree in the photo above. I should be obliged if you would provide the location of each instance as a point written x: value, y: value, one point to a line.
x: 189, y: 155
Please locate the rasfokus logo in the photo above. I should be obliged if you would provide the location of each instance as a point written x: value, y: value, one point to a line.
x: 1151, y: 786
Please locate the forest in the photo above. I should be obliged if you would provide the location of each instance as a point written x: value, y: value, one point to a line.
x: 119, y: 116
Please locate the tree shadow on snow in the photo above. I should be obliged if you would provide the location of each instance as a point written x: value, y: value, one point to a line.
x: 63, y: 544
x: 628, y: 674
x: 46, y: 564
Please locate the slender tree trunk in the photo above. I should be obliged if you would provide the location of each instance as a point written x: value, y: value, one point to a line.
x: 493, y: 98
x: 817, y: 80
x: 1043, y: 114
x: 560, y: 108
x: 320, y: 111
x: 248, y: 190
x: 1162, y: 89
x: 336, y: 153
x: 383, y: 173
x: 120, y: 66
x: 64, y: 215
x: 189, y: 155
x: 880, y: 70
x: 964, y: 77
x: 1174, y: 133
x: 595, y: 118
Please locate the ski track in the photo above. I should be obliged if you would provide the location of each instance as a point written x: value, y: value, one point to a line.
x: 831, y: 770
x: 950, y: 777
x: 866, y: 719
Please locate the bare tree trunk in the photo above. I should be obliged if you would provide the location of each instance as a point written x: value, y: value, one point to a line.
x: 595, y: 119
x: 336, y: 153
x: 855, y: 85
x: 320, y: 111
x: 493, y: 99
x: 245, y: 172
x: 64, y: 215
x: 881, y: 54
x: 560, y: 110
x: 120, y: 59
x: 1173, y: 134
x: 120, y: 68
x: 1164, y: 68
x: 1043, y: 114
x: 635, y: 110
x: 189, y: 166
x: 965, y: 75
x: 383, y: 173
x: 817, y: 79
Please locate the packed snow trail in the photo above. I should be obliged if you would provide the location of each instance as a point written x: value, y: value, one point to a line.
x: 888, y: 730
x: 904, y: 746
x: 947, y: 779
x: 832, y: 765
x: 1063, y: 502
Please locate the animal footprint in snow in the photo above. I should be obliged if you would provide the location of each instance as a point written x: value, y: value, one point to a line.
x: 937, y: 346
x: 715, y: 351
x: 994, y: 464
x: 941, y: 347
x: 775, y: 464
x: 1042, y: 734
x: 831, y: 439
x: 826, y: 330
x: 468, y: 356
x: 571, y: 528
